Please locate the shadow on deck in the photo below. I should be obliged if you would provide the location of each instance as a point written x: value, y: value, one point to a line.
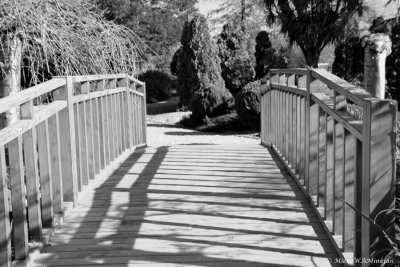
x: 195, y: 205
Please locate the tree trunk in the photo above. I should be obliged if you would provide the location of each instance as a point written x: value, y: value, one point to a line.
x: 10, y: 77
x: 243, y: 13
x: 312, y: 59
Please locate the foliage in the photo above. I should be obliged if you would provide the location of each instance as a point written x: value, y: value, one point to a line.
x: 393, y: 65
x: 158, y: 23
x: 266, y: 56
x: 200, y: 84
x: 248, y: 104
x: 312, y: 24
x: 158, y: 85
x: 349, y: 60
x: 62, y: 37
x: 236, y: 67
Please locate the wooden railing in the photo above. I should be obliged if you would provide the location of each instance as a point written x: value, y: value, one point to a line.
x: 55, y: 149
x: 339, y: 142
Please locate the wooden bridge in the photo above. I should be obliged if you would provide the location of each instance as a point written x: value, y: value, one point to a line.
x: 79, y: 187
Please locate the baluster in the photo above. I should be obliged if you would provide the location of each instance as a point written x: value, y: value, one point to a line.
x: 18, y: 194
x: 5, y: 224
x: 78, y: 141
x: 32, y: 175
x: 102, y: 126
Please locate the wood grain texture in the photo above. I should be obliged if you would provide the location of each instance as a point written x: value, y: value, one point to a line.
x: 5, y: 224
x: 18, y: 194
x: 140, y: 215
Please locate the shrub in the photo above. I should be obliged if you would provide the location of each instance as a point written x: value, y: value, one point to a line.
x: 236, y: 67
x: 349, y: 60
x: 248, y: 105
x: 200, y: 84
x: 158, y: 85
x: 266, y: 56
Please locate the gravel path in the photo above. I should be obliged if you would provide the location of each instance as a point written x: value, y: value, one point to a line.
x: 164, y: 130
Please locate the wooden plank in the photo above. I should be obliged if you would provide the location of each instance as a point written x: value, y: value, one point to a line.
x: 102, y: 125
x: 349, y: 195
x: 5, y: 224
x: 55, y: 156
x: 330, y: 168
x: 117, y: 101
x: 111, y: 127
x: 294, y: 133
x: 89, y: 141
x: 338, y: 219
x: 298, y: 134
x: 96, y: 136
x: 18, y: 194
x: 289, y: 71
x: 313, y: 151
x: 322, y: 160
x: 144, y: 115
x: 106, y: 127
x: 78, y: 142
x: 128, y: 117
x: 83, y: 144
x: 96, y: 94
x: 123, y: 121
x: 46, y: 180
x: 26, y: 95
x: 302, y: 138
x: 32, y: 183
x: 307, y: 106
x: 67, y: 142
x: 88, y: 78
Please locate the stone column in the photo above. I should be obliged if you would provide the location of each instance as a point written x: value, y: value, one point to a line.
x: 377, y: 47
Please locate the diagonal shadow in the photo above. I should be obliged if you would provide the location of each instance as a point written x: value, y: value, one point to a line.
x: 122, y: 206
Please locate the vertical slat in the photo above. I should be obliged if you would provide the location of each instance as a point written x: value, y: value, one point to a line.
x: 349, y: 192
x: 32, y: 175
x: 120, y: 124
x: 32, y: 183
x: 128, y: 117
x: 330, y: 168
x: 307, y: 132
x: 55, y: 155
x: 302, y: 138
x: 78, y: 141
x: 5, y: 224
x: 111, y: 127
x: 298, y: 134
x: 18, y: 194
x: 280, y: 124
x: 117, y: 128
x: 107, y: 129
x: 102, y: 124
x: 83, y: 144
x: 294, y: 132
x: 46, y: 188
x: 313, y: 151
x: 144, y: 112
x: 67, y: 142
x: 123, y: 128
x: 322, y: 161
x: 89, y: 140
x: 288, y: 127
x: 96, y: 136
x: 284, y: 124
x: 339, y: 180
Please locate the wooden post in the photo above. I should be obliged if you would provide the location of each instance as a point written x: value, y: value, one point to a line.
x: 18, y: 194
x: 378, y: 173
x: 144, y: 114
x: 67, y: 142
x: 307, y: 132
x: 5, y: 226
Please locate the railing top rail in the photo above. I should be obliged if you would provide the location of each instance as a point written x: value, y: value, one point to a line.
x: 356, y: 94
x: 24, y: 96
x: 98, y: 77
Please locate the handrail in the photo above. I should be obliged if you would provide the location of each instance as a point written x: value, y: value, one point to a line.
x: 338, y: 141
x: 54, y: 150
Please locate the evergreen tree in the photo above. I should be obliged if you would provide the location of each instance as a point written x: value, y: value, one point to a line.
x: 236, y: 67
x: 199, y: 80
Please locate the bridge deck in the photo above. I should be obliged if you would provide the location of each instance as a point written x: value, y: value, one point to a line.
x: 194, y: 205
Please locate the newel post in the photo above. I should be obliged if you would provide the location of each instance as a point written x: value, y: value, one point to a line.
x: 67, y: 142
x: 377, y: 47
x: 378, y: 176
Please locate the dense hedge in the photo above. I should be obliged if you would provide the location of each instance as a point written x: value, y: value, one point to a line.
x: 158, y: 85
x: 199, y: 81
x: 393, y: 66
x: 248, y: 105
x: 236, y: 68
